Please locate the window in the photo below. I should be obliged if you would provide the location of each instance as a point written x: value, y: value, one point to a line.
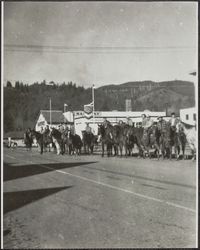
x: 194, y: 117
x: 187, y: 117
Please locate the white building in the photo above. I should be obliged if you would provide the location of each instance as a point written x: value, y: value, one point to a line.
x: 188, y: 115
x: 80, y: 119
x: 45, y: 118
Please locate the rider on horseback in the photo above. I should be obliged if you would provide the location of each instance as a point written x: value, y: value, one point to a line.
x: 173, y: 122
x: 88, y: 129
x: 47, y: 130
x: 42, y: 130
x: 105, y: 122
x: 161, y: 125
x: 147, y: 123
x: 129, y: 121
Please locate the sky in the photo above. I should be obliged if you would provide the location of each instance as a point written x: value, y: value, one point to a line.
x: 99, y: 42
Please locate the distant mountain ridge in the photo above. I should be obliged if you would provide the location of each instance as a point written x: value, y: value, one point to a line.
x: 171, y: 95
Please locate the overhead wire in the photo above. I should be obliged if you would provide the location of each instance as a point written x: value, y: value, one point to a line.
x: 93, y: 49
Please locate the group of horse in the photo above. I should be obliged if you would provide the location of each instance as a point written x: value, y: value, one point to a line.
x: 119, y: 139
x: 161, y: 142
x: 62, y: 142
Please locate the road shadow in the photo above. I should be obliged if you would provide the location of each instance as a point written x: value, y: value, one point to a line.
x: 11, y: 172
x: 15, y: 200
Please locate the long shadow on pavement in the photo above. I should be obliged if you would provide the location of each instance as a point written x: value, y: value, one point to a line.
x: 15, y: 200
x: 15, y: 172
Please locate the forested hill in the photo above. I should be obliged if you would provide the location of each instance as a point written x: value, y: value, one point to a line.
x: 22, y: 103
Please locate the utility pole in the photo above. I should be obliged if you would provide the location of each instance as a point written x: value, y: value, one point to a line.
x: 93, y: 102
x: 50, y: 110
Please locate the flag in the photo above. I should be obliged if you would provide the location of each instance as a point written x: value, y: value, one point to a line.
x: 88, y: 110
x: 194, y: 73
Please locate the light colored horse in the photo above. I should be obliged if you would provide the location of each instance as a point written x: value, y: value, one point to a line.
x: 56, y: 136
x: 191, y: 136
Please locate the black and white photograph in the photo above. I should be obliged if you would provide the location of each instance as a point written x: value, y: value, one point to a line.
x: 99, y: 135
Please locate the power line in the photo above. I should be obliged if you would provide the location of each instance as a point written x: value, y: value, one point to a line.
x: 29, y: 48
x: 95, y: 52
x: 95, y: 47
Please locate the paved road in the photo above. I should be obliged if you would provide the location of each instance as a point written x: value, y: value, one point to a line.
x: 55, y: 201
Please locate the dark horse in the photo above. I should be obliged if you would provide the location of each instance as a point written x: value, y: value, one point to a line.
x: 62, y: 140
x: 180, y: 141
x: 76, y: 143
x: 167, y: 141
x: 88, y: 142
x: 121, y: 139
x: 42, y: 139
x: 28, y: 140
x: 134, y: 137
x: 106, y: 138
x: 150, y: 140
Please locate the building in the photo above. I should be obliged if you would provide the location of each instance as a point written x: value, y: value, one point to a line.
x: 44, y: 117
x: 113, y: 117
x: 79, y: 118
x: 188, y: 115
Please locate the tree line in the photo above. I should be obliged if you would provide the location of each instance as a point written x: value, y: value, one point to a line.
x: 23, y: 102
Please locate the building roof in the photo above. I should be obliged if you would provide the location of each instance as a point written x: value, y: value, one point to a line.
x: 56, y: 116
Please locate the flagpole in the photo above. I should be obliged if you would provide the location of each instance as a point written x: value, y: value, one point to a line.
x: 50, y: 109
x: 93, y: 102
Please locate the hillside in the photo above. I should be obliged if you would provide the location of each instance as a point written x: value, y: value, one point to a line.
x: 154, y: 95
x: 22, y: 103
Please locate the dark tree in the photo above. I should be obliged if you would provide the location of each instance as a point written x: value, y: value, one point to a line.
x: 17, y: 85
x: 9, y: 84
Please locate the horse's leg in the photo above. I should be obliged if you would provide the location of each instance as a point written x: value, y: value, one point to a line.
x: 162, y: 151
x: 183, y: 150
x: 57, y: 147
x: 107, y: 149
x: 41, y: 147
x: 158, y: 151
x: 92, y: 149
x: 177, y: 151
x: 126, y: 150
x: 120, y: 149
x: 140, y: 153
x: 170, y: 152
x: 102, y: 144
